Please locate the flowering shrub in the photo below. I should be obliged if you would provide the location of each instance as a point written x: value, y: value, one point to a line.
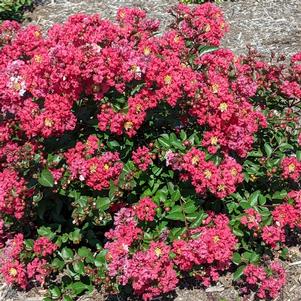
x: 130, y: 159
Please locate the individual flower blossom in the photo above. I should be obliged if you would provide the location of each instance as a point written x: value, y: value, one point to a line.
x: 291, y: 168
x: 185, y: 257
x: 14, y: 273
x: 251, y: 219
x: 121, y: 238
x: 173, y: 160
x: 38, y: 270
x: 146, y: 209
x: 142, y: 157
x: 291, y: 89
x: 272, y: 235
x: 212, y: 141
x: 2, y: 233
x: 220, y: 180
x: 296, y: 196
x: 285, y: 215
x: 43, y: 246
x: 12, y: 248
x: 203, y: 24
x: 254, y: 274
x: 57, y: 174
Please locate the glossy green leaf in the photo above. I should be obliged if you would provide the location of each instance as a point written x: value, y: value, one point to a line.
x: 46, y: 178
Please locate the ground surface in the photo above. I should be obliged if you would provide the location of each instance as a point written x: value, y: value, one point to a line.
x: 268, y: 25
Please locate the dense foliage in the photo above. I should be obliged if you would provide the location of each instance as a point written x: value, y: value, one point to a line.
x: 130, y: 160
x: 13, y: 9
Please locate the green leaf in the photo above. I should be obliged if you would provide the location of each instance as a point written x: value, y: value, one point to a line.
x: 78, y: 287
x: 46, y: 231
x: 163, y: 142
x: 55, y: 292
x: 298, y: 155
x: 238, y: 232
x: 279, y: 195
x: 79, y: 267
x: 46, y: 178
x: 103, y: 203
x: 57, y: 264
x: 253, y: 198
x: 236, y: 258
x: 176, y: 214
x: 206, y: 49
x: 113, y: 144
x: 176, y: 233
x: 189, y: 207
x: 199, y: 219
x: 67, y: 253
x: 268, y: 149
x: 238, y: 273
x: 85, y: 252
x: 100, y: 259
x: 75, y: 236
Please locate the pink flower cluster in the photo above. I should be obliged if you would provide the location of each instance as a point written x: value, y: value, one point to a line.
x: 13, y: 193
x: 15, y: 271
x: 43, y: 246
x: 284, y: 216
x: 142, y: 157
x: 251, y: 219
x: 145, y: 209
x: 291, y: 168
x: 267, y: 282
x: 222, y: 103
x: 220, y: 180
x: 86, y: 164
x: 203, y: 24
x: 207, y: 252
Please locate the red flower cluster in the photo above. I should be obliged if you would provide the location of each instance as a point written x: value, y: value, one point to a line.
x: 203, y: 24
x: 205, y: 175
x: 251, y: 219
x: 291, y: 168
x: 145, y: 209
x: 266, y: 281
x: 142, y: 157
x: 16, y: 272
x: 95, y: 170
x: 284, y: 216
x: 43, y: 246
x: 273, y: 235
x: 12, y: 193
x: 151, y: 272
x: 209, y: 252
x: 222, y: 103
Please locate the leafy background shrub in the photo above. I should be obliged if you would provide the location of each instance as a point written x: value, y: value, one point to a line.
x: 131, y: 160
x: 13, y: 9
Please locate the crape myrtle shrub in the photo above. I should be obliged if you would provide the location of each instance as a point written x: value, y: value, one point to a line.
x: 130, y: 160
